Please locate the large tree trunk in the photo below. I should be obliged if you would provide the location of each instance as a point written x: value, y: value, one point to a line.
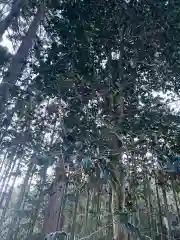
x: 14, y: 13
x: 17, y: 62
x: 118, y: 191
x: 56, y: 198
x: 118, y: 207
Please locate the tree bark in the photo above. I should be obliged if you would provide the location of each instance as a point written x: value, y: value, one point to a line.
x: 118, y: 191
x: 56, y: 198
x: 175, y: 199
x: 118, y: 206
x: 5, y: 172
x: 153, y: 226
x: 87, y: 212
x: 73, y: 227
x: 61, y: 217
x: 98, y: 207
x: 160, y: 225
x: 109, y: 231
x: 18, y: 59
x: 147, y: 203
x: 3, y: 163
x: 167, y: 212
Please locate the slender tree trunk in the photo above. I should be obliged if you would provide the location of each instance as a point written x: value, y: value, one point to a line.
x: 98, y: 207
x: 6, y: 181
x: 160, y: 227
x: 69, y: 217
x: 147, y: 206
x: 91, y: 224
x: 3, y: 163
x: 61, y: 210
x: 5, y: 208
x: 17, y: 62
x: 74, y: 217
x: 6, y: 205
x: 133, y: 187
x: 110, y: 218
x: 19, y: 202
x: 153, y: 225
x: 86, y: 213
x: 7, y: 174
x: 18, y: 222
x: 35, y: 212
x: 14, y: 13
x: 175, y: 199
x: 167, y: 211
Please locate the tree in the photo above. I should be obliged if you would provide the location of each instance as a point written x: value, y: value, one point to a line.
x: 122, y: 85
x: 92, y: 97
